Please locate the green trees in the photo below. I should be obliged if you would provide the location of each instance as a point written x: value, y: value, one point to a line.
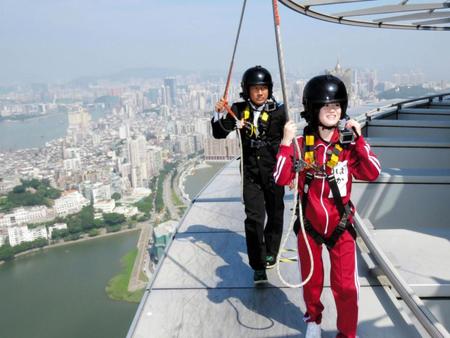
x: 82, y: 221
x: 113, y: 218
x: 85, y: 223
x: 145, y: 204
x: 113, y: 221
x: 93, y: 232
x: 7, y: 252
x: 29, y: 193
x: 159, y: 200
x: 116, y: 196
x: 57, y: 234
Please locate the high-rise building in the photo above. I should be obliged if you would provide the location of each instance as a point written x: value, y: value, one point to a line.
x: 124, y: 131
x: 137, y: 151
x: 171, y: 88
x: 203, y: 126
x: 79, y: 120
x: 79, y: 125
x: 346, y: 76
x: 153, y: 95
x: 221, y: 150
x: 155, y: 160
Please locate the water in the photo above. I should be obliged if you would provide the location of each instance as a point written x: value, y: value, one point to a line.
x: 200, y: 177
x: 61, y: 292
x: 35, y: 132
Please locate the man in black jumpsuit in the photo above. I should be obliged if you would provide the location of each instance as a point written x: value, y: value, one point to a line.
x: 261, y: 134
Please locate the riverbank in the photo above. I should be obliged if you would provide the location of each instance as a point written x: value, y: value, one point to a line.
x: 195, y: 176
x: 66, y: 284
x: 188, y: 170
x: 117, y: 287
x: 22, y: 118
x: 80, y: 240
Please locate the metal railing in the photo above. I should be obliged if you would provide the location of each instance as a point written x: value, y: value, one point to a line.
x: 414, y: 303
x: 425, y: 317
x: 395, y: 107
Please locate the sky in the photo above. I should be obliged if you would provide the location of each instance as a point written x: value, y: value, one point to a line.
x: 60, y: 40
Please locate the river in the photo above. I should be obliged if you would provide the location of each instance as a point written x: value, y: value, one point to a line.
x: 60, y: 292
x: 200, y: 177
x: 35, y: 132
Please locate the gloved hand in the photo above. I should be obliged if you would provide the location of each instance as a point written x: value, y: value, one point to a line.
x: 239, y: 124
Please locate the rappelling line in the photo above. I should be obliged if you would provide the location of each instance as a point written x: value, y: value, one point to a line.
x: 225, y: 93
x: 230, y: 69
x: 225, y: 96
x: 276, y: 19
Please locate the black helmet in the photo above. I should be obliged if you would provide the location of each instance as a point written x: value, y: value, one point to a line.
x: 255, y: 76
x: 319, y: 91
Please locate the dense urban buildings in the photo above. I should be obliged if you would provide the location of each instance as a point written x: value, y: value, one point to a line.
x: 115, y: 137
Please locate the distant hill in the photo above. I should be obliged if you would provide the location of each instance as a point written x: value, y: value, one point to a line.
x: 405, y: 92
x: 131, y: 73
x: 146, y: 73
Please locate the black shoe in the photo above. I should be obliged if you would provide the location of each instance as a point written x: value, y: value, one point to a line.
x: 271, y: 262
x: 260, y: 277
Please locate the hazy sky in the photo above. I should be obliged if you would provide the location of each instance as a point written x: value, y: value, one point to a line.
x: 58, y: 40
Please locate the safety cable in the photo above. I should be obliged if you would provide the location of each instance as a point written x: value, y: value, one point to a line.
x: 225, y: 96
x: 230, y: 69
x: 276, y: 19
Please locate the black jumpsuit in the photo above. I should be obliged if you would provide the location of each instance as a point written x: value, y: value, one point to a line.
x: 261, y: 194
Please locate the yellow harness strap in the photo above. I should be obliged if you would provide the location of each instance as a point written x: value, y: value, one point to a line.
x: 309, y: 149
x: 334, y: 158
x: 309, y: 152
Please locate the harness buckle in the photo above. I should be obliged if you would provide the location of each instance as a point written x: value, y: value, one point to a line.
x: 299, y: 166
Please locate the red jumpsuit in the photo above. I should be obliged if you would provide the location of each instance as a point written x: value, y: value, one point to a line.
x: 358, y: 161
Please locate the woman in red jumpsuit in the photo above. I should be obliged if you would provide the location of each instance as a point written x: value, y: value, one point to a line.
x: 335, y: 156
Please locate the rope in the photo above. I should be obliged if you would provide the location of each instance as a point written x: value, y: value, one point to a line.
x: 225, y: 93
x: 276, y: 19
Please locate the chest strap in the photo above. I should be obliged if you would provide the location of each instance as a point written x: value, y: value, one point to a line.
x: 259, y: 130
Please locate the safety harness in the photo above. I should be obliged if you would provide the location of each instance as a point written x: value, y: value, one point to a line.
x: 256, y: 135
x: 344, y: 210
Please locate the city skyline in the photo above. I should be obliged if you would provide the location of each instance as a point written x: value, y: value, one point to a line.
x: 58, y: 41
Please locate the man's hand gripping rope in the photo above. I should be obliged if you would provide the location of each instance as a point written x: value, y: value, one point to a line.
x: 223, y: 105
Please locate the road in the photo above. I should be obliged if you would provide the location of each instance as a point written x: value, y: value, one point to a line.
x: 141, y: 261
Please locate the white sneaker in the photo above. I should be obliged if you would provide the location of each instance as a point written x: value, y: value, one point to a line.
x: 313, y: 330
